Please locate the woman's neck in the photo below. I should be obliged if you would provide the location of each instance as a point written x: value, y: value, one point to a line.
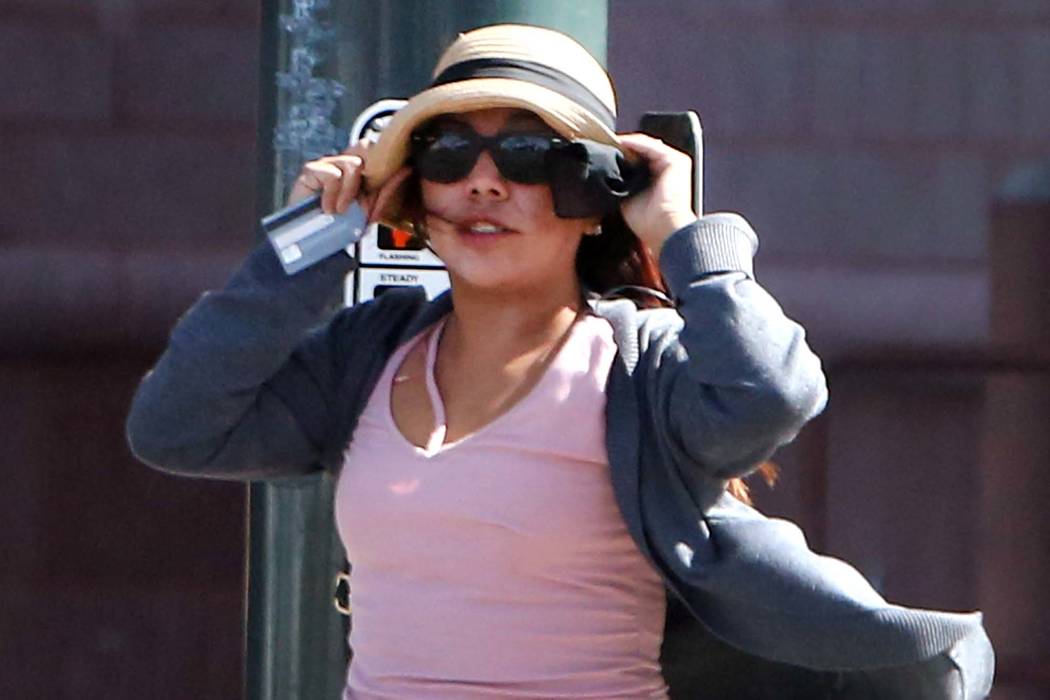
x: 493, y: 327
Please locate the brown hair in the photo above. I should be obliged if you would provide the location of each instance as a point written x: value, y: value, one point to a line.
x: 618, y: 263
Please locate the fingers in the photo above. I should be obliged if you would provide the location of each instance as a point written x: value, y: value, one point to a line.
x: 308, y: 184
x: 341, y: 178
x: 357, y: 149
x: 658, y: 154
x: 639, y: 141
x: 350, y: 182
x: 337, y: 179
x: 666, y: 204
x: 351, y: 162
x: 644, y: 143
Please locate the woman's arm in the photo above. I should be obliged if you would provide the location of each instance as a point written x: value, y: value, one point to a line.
x: 244, y: 389
x: 734, y: 378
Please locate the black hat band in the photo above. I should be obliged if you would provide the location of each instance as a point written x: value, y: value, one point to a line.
x: 529, y: 72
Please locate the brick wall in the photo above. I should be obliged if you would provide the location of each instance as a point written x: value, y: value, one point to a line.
x: 868, y: 142
x: 864, y: 140
x: 128, y: 128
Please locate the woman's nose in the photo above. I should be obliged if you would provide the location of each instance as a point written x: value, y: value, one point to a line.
x: 485, y: 180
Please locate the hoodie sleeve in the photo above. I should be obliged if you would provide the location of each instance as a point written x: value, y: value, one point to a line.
x: 244, y: 389
x: 736, y: 378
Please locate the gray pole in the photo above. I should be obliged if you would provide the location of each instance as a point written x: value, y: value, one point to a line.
x: 295, y: 646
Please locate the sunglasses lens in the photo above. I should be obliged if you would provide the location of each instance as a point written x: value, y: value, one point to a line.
x: 446, y: 156
x: 522, y: 157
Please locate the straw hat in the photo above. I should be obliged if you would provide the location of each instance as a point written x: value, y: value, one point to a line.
x: 505, y: 65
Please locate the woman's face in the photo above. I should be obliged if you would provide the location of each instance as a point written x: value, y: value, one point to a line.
x: 496, y: 234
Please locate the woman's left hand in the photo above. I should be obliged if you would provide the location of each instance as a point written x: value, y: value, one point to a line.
x: 666, y: 204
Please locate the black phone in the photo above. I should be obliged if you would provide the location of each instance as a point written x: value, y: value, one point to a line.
x: 680, y: 130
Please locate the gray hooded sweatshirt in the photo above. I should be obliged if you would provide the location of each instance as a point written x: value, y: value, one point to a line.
x: 265, y: 379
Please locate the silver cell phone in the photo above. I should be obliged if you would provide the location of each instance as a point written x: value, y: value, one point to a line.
x: 681, y: 130
x: 302, y: 234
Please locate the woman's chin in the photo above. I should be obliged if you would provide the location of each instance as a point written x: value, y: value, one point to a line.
x: 484, y: 271
x: 485, y: 281
x: 498, y: 279
x: 505, y: 269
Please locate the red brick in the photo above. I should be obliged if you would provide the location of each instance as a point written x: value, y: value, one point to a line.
x: 1025, y: 10
x: 887, y: 98
x: 851, y: 203
x: 837, y: 85
x: 50, y: 13
x: 1016, y: 533
x: 67, y: 422
x: 797, y: 492
x: 1005, y: 691
x: 897, y: 13
x: 130, y: 191
x: 158, y: 516
x: 209, y: 11
x: 739, y: 81
x: 200, y: 74
x: 20, y: 499
x: 54, y: 73
x: 626, y: 13
x: 79, y: 300
x: 993, y: 73
x: 848, y: 306
x: 939, y: 84
x: 903, y: 485
x: 1034, y: 48
x: 121, y: 643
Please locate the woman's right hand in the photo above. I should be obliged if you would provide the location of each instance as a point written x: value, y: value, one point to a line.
x: 336, y: 178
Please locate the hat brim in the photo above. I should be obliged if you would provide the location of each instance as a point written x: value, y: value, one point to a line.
x: 560, y: 113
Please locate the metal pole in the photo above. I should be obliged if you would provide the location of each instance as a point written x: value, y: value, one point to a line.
x: 295, y: 646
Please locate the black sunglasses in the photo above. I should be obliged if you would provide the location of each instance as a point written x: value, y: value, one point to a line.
x: 447, y: 153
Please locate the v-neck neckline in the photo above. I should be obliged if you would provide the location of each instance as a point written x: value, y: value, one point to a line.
x: 436, y: 445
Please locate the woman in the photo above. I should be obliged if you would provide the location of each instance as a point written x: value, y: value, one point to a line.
x: 532, y: 480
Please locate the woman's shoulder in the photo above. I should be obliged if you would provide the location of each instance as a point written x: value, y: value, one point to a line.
x: 627, y: 314
x: 637, y: 330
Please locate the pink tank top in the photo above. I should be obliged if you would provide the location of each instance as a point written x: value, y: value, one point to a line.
x: 498, y: 566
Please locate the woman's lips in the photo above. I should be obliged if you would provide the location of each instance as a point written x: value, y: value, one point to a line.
x: 475, y: 227
x: 483, y: 229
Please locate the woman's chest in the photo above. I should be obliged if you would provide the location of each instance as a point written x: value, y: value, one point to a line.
x: 535, y: 478
x: 483, y: 500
